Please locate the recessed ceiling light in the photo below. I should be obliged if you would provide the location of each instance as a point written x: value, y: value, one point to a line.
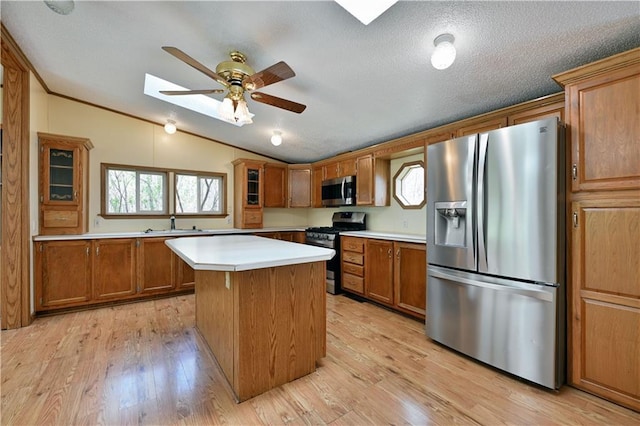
x: 61, y: 7
x: 366, y: 11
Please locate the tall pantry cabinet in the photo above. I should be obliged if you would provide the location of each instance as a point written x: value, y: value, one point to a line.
x: 603, y: 129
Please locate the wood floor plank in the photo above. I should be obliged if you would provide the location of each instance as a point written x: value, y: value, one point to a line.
x: 146, y: 364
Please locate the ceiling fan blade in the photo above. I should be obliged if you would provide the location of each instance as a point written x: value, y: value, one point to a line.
x: 195, y: 64
x: 191, y: 92
x: 273, y: 74
x: 278, y: 102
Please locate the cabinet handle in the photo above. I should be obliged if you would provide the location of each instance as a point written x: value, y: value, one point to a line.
x: 98, y: 251
x: 389, y: 253
x: 75, y: 195
x: 575, y: 219
x: 87, y: 250
x: 398, y: 254
x: 574, y: 172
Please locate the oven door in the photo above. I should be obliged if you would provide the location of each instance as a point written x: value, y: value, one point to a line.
x: 333, y: 264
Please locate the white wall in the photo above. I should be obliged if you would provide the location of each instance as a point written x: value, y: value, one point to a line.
x: 384, y: 219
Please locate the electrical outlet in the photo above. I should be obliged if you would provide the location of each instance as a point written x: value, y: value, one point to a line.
x: 228, y: 220
x: 96, y: 222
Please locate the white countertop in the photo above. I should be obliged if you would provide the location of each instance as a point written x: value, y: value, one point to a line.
x: 244, y: 252
x: 161, y: 233
x: 408, y: 238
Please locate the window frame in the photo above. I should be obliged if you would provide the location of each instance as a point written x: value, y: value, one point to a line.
x: 198, y: 175
x: 401, y: 170
x: 169, y: 206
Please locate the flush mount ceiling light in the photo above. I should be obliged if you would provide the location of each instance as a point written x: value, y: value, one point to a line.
x: 61, y: 7
x: 366, y: 11
x: 170, y: 127
x: 276, y: 138
x: 444, y: 53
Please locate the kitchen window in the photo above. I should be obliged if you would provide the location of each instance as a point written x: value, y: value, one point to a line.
x: 199, y: 194
x: 134, y: 191
x: 408, y: 185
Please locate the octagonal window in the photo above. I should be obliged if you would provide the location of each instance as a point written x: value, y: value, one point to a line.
x: 408, y: 185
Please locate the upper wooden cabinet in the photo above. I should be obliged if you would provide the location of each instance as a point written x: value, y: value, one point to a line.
x: 64, y: 184
x: 275, y: 185
x: 299, y: 187
x: 603, y: 122
x: 372, y: 181
x: 483, y: 126
x: 538, y: 113
x: 341, y: 168
x: 248, y: 193
x: 317, y: 174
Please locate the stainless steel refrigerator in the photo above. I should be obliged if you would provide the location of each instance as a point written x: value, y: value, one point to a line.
x: 495, y: 248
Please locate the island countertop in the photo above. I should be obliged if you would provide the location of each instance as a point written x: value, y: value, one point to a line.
x: 244, y: 252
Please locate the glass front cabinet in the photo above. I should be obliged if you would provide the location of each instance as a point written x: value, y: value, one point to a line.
x: 248, y: 193
x: 64, y: 167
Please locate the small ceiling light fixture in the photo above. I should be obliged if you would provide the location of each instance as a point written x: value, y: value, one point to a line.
x: 444, y: 53
x: 170, y: 127
x: 61, y: 7
x: 276, y: 138
x: 366, y: 11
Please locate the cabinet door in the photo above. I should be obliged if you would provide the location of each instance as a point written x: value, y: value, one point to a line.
x: 539, y: 113
x: 483, y: 126
x: 347, y: 167
x: 275, y: 185
x: 185, y: 275
x: 364, y: 181
x: 155, y: 265
x: 59, y: 174
x: 604, y: 317
x: 410, y: 278
x: 605, y: 131
x: 114, y: 268
x: 299, y: 187
x: 62, y: 274
x: 331, y: 170
x: 378, y: 269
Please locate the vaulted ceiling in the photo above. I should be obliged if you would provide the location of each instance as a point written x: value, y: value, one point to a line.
x: 362, y: 84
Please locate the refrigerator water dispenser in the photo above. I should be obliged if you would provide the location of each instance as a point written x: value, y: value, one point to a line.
x: 451, y: 224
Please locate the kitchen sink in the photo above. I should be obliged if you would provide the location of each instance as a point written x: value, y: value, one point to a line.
x: 172, y: 231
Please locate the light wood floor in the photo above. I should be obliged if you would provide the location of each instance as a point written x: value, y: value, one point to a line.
x: 145, y: 363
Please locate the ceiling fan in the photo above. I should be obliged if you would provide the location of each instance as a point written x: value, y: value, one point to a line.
x: 237, y: 77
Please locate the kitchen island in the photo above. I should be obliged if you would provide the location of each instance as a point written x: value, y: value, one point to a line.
x: 260, y: 306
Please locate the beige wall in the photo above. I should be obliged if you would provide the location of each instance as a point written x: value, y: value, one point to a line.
x: 384, y: 219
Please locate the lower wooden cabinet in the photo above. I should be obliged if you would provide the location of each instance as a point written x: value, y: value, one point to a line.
x: 604, y: 295
x: 75, y: 273
x: 63, y: 274
x: 114, y: 268
x: 392, y: 273
x: 293, y: 236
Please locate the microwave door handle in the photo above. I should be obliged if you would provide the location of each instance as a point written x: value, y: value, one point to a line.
x: 342, y: 189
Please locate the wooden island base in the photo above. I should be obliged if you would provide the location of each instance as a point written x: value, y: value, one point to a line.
x: 265, y: 327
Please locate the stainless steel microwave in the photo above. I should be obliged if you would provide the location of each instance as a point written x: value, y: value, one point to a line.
x: 339, y: 191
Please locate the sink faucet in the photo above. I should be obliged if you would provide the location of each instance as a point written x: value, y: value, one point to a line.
x: 172, y: 219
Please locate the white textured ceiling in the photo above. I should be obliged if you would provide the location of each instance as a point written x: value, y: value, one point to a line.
x: 362, y: 84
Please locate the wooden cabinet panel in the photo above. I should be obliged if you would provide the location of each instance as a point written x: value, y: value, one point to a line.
x: 62, y: 274
x: 353, y: 244
x: 379, y: 271
x: 248, y: 193
x: 372, y: 182
x: 364, y: 181
x: 353, y: 283
x: 355, y: 258
x: 185, y: 275
x: 317, y: 175
x: 410, y: 278
x: 275, y: 185
x: 331, y: 171
x: 114, y: 268
x: 347, y: 167
x: 604, y: 317
x: 156, y: 263
x: 539, y: 113
x: 483, y: 126
x: 299, y: 187
x: 352, y: 261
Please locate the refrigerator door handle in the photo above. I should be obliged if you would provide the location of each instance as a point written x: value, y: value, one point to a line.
x: 480, y: 203
x: 530, y: 290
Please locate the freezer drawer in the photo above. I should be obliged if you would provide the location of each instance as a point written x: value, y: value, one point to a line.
x: 510, y: 325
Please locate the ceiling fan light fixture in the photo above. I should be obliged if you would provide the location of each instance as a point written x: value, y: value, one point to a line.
x: 444, y: 53
x: 226, y: 110
x: 242, y: 115
x: 276, y: 138
x: 170, y: 127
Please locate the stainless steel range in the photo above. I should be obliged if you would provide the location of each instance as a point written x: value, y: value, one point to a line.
x: 329, y: 236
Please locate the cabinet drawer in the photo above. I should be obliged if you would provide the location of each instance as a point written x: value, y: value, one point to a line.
x: 60, y: 219
x: 351, y: 257
x: 353, y: 244
x: 253, y: 217
x: 353, y: 283
x: 353, y: 269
